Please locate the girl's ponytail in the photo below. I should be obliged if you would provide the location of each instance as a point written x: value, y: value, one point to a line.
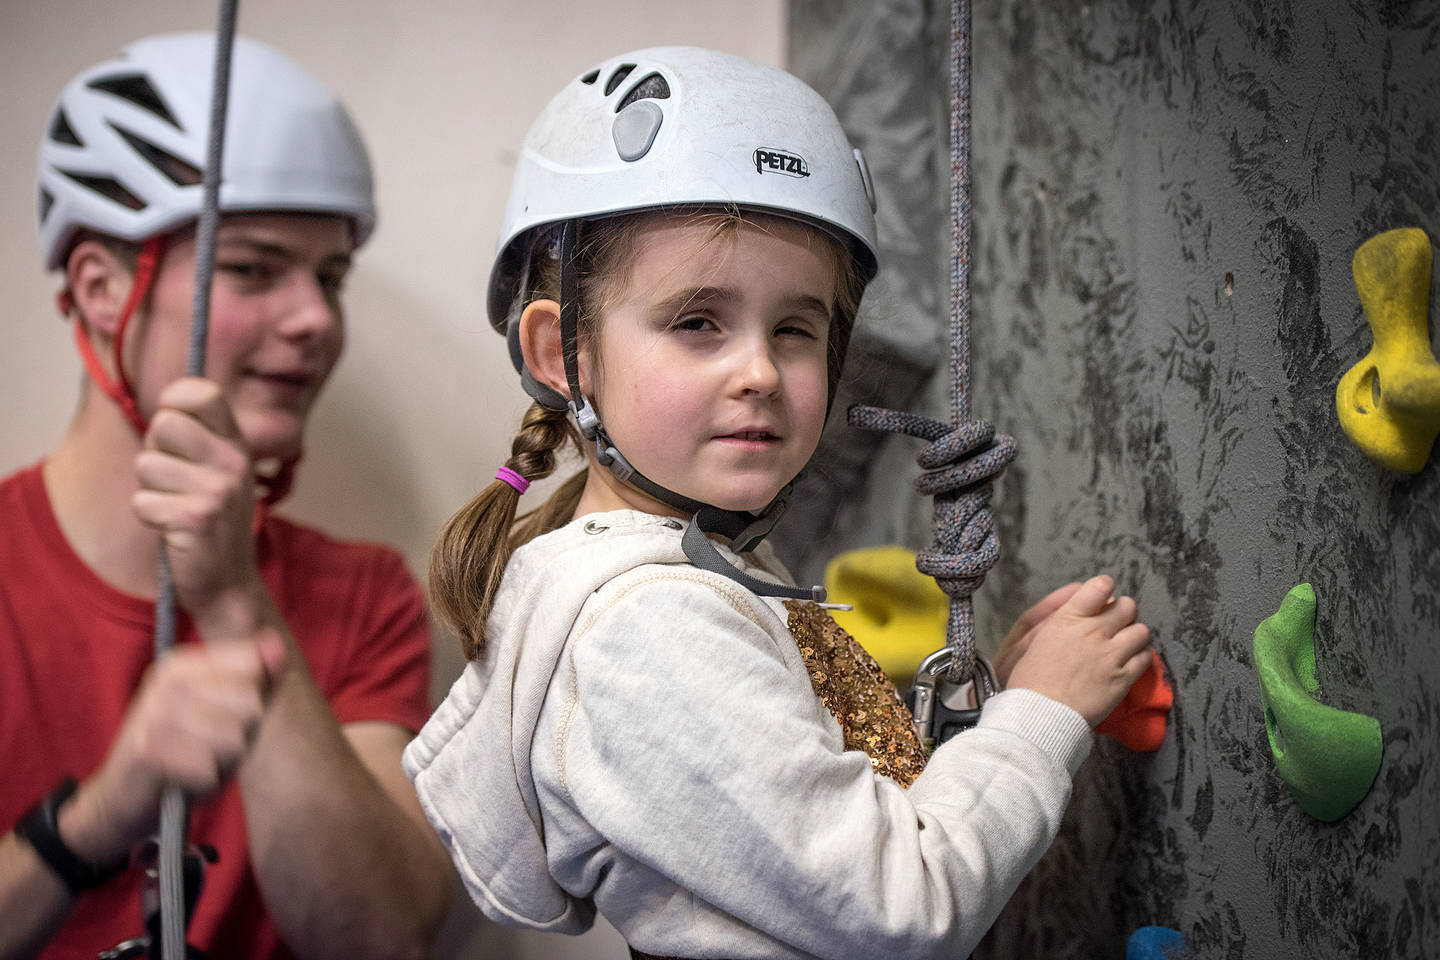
x: 469, y: 559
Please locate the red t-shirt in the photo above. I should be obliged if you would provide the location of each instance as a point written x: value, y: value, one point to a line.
x: 73, y: 649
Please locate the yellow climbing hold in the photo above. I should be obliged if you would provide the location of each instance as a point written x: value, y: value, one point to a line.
x: 899, y: 614
x: 1389, y: 402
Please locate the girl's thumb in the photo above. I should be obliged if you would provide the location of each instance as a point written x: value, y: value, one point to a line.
x: 1092, y: 596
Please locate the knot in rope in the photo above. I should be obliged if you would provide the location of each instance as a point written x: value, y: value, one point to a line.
x: 960, y: 466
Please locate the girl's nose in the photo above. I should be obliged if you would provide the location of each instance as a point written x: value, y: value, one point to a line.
x: 759, y: 374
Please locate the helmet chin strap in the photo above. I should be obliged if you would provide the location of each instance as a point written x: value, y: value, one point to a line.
x: 147, y: 263
x: 744, y: 529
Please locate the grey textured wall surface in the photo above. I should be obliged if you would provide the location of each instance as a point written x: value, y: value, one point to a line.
x: 1168, y: 196
x: 878, y: 65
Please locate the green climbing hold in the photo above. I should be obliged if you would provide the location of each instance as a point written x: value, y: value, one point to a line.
x: 1329, y: 757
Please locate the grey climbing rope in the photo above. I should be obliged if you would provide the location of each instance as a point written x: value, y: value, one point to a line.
x: 174, y: 810
x: 965, y: 456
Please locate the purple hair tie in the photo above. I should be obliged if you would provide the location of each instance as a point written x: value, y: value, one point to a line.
x: 514, y: 479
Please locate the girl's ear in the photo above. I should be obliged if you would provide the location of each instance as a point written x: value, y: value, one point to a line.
x: 99, y: 283
x: 540, y: 341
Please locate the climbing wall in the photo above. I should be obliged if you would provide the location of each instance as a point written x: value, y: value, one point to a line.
x: 1168, y: 197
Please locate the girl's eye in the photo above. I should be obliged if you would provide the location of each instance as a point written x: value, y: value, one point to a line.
x: 693, y: 323
x: 795, y: 330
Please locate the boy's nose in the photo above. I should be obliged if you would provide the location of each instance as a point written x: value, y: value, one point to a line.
x: 310, y: 311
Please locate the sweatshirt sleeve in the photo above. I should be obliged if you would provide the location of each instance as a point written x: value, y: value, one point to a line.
x: 696, y: 747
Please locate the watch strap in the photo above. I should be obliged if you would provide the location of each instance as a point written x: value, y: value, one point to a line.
x: 40, y: 827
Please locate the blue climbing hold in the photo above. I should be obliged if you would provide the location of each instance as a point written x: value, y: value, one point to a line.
x: 1158, y: 943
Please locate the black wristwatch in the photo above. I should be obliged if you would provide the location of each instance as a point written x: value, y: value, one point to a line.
x: 40, y: 827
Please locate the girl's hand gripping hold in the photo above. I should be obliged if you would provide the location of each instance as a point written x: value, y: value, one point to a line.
x: 1017, y: 641
x: 1087, y: 653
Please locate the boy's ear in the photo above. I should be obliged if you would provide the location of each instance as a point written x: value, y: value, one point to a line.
x: 540, y: 341
x: 98, y: 282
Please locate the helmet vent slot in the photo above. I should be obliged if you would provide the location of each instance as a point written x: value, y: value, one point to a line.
x: 137, y: 89
x: 61, y: 131
x: 180, y: 173
x: 45, y: 201
x: 590, y: 77
x: 107, y: 187
x: 651, y: 87
x: 618, y: 77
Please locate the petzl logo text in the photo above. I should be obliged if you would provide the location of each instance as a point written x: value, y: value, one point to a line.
x: 768, y: 160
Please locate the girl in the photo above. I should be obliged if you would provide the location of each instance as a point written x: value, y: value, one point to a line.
x: 655, y: 723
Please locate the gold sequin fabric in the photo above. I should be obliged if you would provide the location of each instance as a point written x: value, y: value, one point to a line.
x: 857, y: 693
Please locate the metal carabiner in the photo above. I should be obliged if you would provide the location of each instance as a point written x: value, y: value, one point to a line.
x: 147, y: 945
x: 935, y: 721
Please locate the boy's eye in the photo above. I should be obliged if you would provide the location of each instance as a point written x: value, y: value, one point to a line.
x: 252, y: 271
x: 331, y: 283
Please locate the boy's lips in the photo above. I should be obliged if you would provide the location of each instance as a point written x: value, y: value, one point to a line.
x: 292, y: 382
x: 294, y: 376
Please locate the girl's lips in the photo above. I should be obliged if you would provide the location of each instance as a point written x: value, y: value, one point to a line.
x: 749, y: 440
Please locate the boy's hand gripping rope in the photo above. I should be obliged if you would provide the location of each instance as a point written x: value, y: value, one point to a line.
x: 962, y: 459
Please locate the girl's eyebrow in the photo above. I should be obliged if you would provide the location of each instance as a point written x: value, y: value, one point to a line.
x: 697, y: 296
x: 706, y: 296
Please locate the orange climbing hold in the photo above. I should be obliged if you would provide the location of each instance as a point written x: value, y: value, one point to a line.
x: 1139, y: 720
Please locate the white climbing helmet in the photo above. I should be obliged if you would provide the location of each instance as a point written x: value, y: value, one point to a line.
x: 126, y: 146
x: 674, y: 126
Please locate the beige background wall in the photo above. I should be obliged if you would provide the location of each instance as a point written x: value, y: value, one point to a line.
x: 423, y: 406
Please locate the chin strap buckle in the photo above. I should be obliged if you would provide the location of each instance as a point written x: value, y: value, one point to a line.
x: 585, y: 416
x: 749, y: 538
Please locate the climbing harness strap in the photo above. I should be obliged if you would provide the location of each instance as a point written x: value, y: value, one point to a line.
x: 963, y: 458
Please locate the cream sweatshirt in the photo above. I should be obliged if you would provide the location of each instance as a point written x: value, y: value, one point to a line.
x: 641, y: 737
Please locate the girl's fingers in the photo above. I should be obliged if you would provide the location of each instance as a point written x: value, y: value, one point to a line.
x: 1119, y: 614
x: 1091, y: 596
x: 1135, y: 667
x: 1048, y: 604
x: 1132, y: 640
